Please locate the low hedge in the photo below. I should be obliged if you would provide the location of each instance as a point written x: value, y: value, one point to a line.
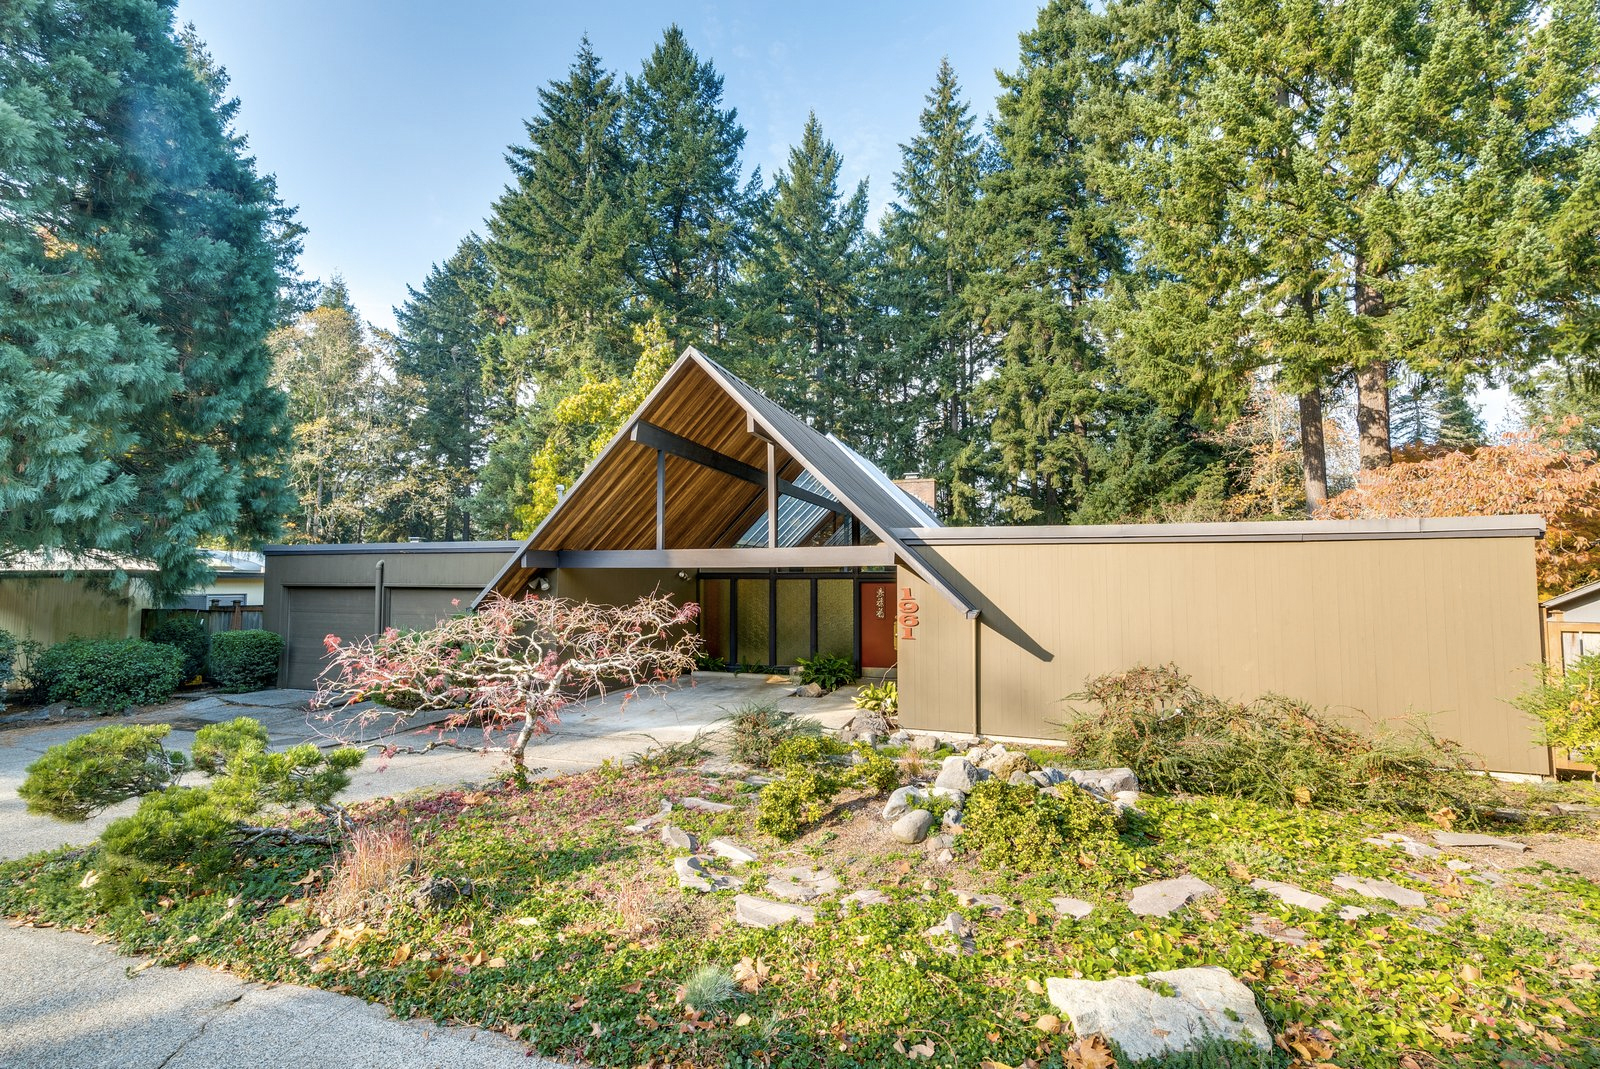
x: 244, y: 660
x: 108, y: 674
x: 191, y: 635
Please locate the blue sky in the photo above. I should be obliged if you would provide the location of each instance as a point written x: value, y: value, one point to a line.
x: 386, y: 122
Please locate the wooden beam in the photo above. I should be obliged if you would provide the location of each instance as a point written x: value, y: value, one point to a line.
x: 730, y: 559
x: 648, y: 434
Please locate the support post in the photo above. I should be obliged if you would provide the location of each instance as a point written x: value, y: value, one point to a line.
x: 661, y: 499
x: 772, y: 496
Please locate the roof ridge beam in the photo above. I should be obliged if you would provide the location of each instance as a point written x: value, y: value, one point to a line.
x: 659, y: 438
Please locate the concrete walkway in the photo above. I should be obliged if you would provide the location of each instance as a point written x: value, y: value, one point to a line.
x: 71, y: 1001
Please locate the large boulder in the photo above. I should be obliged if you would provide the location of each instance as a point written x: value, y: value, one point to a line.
x: 957, y: 774
x: 1104, y: 781
x: 1162, y: 1013
x: 1004, y: 766
x: 902, y: 800
x: 913, y: 827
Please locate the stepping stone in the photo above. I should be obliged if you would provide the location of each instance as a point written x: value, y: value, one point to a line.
x: 1292, y: 895
x: 791, y: 891
x: 1161, y: 898
x: 1390, y: 892
x: 1573, y: 809
x: 913, y: 827
x: 761, y: 913
x: 1459, y: 839
x: 901, y: 800
x: 731, y: 851
x: 867, y: 896
x: 1261, y: 924
x: 957, y: 774
x: 1457, y: 865
x: 679, y: 839
x: 954, y: 936
x: 647, y: 823
x: 1428, y: 923
x: 1405, y: 843
x: 694, y: 876
x: 1076, y: 908
x: 704, y: 805
x: 1136, y: 1013
x: 758, y: 781
x: 1352, y: 913
x: 1491, y: 879
x: 821, y: 880
x: 972, y: 898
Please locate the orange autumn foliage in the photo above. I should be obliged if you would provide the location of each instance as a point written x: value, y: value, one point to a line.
x: 1529, y: 472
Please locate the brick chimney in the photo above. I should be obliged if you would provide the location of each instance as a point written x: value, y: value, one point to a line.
x: 920, y: 488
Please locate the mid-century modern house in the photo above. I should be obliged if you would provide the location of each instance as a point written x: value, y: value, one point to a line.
x: 794, y: 544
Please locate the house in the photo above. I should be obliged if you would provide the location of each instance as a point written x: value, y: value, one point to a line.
x: 48, y: 596
x: 793, y: 544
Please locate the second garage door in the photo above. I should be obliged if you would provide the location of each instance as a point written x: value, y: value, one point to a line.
x: 314, y: 613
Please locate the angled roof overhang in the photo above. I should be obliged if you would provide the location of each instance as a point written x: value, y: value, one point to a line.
x: 713, y: 436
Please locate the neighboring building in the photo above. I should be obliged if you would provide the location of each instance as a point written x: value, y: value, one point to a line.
x: 47, y: 596
x: 1571, y: 631
x: 353, y: 591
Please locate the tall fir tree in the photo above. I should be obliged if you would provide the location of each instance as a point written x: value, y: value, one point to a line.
x: 559, y: 234
x: 443, y: 386
x: 686, y: 208
x: 936, y: 350
x: 1050, y: 253
x: 1327, y: 189
x: 802, y: 301
x: 141, y: 255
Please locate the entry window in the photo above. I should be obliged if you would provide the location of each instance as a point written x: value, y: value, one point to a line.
x: 836, y: 622
x: 794, y: 620
x: 754, y: 617
x: 714, y: 616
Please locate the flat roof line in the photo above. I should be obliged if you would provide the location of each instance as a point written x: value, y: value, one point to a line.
x: 1265, y: 531
x: 394, y: 547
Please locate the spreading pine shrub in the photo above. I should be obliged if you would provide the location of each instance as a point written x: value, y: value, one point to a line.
x: 813, y: 774
x: 108, y: 674
x: 245, y: 660
x: 1177, y: 738
x: 756, y: 729
x: 93, y: 772
x: 1019, y: 827
x: 188, y: 633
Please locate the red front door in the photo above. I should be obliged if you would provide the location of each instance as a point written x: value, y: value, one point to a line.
x: 877, y: 626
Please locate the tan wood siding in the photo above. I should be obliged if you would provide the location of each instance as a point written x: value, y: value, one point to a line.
x: 936, y: 669
x: 1375, y: 630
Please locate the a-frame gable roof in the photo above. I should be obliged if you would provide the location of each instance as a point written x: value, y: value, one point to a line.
x: 612, y: 506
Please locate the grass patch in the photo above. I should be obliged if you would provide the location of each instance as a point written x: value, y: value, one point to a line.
x: 578, y: 940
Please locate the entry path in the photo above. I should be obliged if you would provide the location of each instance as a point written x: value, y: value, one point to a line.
x: 70, y: 1001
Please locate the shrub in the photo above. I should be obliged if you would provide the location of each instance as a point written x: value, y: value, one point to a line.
x: 755, y: 730
x: 188, y: 633
x: 1022, y: 828
x: 882, y: 698
x: 108, y: 674
x: 245, y: 660
x: 172, y: 827
x: 9, y: 647
x: 93, y: 772
x: 1568, y: 704
x: 1274, y: 749
x: 830, y: 671
x: 811, y: 778
x: 221, y: 748
x: 709, y: 988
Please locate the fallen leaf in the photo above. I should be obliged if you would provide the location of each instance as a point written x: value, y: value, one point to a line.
x: 742, y: 1020
x: 307, y: 944
x: 1090, y: 1052
x: 990, y: 1063
x: 751, y: 973
x: 497, y: 962
x: 633, y: 988
x: 1035, y: 987
x: 920, y: 1050
x: 401, y: 955
x: 1471, y: 973
x: 1302, y: 796
x: 1048, y: 1022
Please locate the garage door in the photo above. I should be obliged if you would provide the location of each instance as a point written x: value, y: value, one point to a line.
x: 417, y: 609
x: 315, y: 613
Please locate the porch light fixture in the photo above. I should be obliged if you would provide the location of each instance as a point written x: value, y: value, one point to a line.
x: 543, y: 584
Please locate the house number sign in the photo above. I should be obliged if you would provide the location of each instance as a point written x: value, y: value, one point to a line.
x: 908, y: 613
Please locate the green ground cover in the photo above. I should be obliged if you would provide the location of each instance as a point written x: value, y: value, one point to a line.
x: 576, y: 938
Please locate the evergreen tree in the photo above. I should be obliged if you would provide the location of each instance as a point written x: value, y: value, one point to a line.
x: 141, y: 257
x: 440, y: 377
x: 684, y: 202
x: 1050, y: 251
x: 1329, y: 188
x: 935, y: 349
x: 802, y: 301
x: 559, y: 234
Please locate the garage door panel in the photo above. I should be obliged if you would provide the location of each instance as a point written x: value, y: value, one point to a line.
x: 314, y: 613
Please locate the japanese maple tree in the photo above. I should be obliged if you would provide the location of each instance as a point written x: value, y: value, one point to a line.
x: 511, y: 666
x: 1529, y: 472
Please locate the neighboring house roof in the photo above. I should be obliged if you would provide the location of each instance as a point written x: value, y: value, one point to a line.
x: 612, y: 506
x: 1577, y: 594
x: 237, y: 563
x: 59, y: 562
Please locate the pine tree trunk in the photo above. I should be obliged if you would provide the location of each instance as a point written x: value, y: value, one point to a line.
x: 1372, y: 384
x: 1313, y: 452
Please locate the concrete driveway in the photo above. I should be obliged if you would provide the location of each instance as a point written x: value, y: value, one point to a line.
x: 71, y: 1001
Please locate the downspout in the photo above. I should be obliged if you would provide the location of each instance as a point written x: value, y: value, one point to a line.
x: 377, y: 600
